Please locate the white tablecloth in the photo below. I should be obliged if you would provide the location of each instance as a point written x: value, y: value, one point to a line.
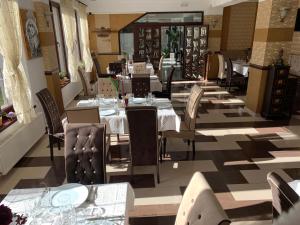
x: 116, y: 200
x: 117, y: 123
x: 240, y: 67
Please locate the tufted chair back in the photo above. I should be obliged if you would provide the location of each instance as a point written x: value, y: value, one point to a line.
x: 106, y: 87
x: 192, y: 105
x: 199, y: 205
x: 140, y: 86
x: 283, y: 196
x: 139, y: 68
x: 51, y: 111
x: 143, y: 136
x: 83, y: 115
x: 85, y: 149
x: 221, y: 73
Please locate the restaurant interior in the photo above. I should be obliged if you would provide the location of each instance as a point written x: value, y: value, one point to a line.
x: 149, y: 112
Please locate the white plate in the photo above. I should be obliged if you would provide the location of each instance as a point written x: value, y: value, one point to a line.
x: 108, y: 101
x: 70, y: 194
x: 164, y: 106
x: 139, y: 100
x: 107, y: 112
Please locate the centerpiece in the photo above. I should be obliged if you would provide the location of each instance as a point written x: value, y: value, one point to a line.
x: 7, y: 217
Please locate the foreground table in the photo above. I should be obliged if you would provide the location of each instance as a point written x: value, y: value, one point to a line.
x: 115, y: 200
x: 117, y: 122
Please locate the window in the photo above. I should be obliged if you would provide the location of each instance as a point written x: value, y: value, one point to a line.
x: 4, y: 102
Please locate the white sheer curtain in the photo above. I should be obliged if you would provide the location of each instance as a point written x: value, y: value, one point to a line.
x: 85, y: 47
x: 69, y: 26
x: 16, y: 84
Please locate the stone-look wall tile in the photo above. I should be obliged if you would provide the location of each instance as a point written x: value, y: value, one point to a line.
x: 208, y: 20
x: 263, y: 14
x: 272, y: 51
x: 44, y: 24
x: 258, y: 53
x: 50, y: 58
x: 289, y: 21
x: 242, y: 25
x: 214, y: 44
x: 296, y: 43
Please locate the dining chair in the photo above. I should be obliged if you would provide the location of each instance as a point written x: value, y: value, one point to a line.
x: 140, y: 84
x: 96, y: 63
x: 106, y: 87
x: 143, y: 137
x: 167, y: 93
x: 83, y: 115
x: 283, y: 196
x: 233, y: 78
x: 54, y: 124
x: 87, y: 115
x: 139, y: 68
x: 159, y: 72
x: 85, y: 160
x: 199, y: 205
x: 188, y: 125
x: 89, y: 87
x: 221, y: 72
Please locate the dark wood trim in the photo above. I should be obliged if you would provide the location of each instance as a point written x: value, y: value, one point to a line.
x: 259, y: 67
x: 57, y: 5
x: 78, y: 37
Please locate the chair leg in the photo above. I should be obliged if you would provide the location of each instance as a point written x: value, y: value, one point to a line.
x: 194, y: 150
x: 118, y: 137
x: 58, y: 144
x: 131, y: 173
x: 51, y: 147
x: 165, y: 146
x: 189, y: 142
x: 157, y: 173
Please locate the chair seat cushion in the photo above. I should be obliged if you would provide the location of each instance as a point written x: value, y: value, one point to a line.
x: 184, y: 132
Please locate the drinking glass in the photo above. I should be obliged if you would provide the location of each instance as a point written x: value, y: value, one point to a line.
x: 150, y: 98
x: 68, y: 215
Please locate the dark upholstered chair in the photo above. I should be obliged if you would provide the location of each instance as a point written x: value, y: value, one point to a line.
x: 187, y: 127
x: 54, y: 125
x: 89, y: 87
x: 140, y: 86
x: 85, y: 153
x: 283, y: 196
x: 199, y: 205
x: 83, y: 115
x: 233, y: 78
x: 168, y: 91
x: 143, y: 136
x: 96, y: 63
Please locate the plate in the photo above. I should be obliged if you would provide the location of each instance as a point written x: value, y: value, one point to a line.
x: 164, y: 106
x: 107, y: 112
x: 139, y: 100
x: 108, y: 101
x: 70, y: 194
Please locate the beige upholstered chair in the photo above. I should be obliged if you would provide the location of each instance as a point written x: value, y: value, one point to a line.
x: 89, y: 88
x: 83, y: 115
x: 187, y: 127
x: 159, y: 72
x: 199, y: 205
x: 221, y: 73
x: 106, y: 88
x: 139, y: 68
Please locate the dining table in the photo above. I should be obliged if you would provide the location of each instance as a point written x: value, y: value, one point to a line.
x: 241, y: 67
x: 112, y: 113
x: 110, y: 204
x: 149, y: 68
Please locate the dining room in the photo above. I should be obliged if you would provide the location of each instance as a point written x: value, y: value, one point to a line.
x: 149, y: 112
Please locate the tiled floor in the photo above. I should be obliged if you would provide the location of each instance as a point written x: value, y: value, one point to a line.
x: 235, y: 151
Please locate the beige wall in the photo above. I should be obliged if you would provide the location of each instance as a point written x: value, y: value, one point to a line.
x: 239, y: 28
